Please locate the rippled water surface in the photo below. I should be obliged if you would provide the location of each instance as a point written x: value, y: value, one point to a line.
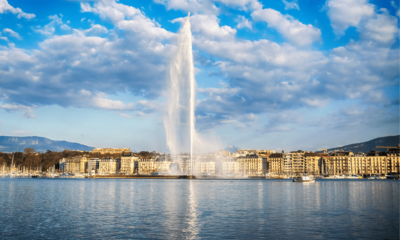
x: 195, y: 209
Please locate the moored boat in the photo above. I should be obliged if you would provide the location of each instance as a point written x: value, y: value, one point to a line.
x: 304, y: 179
x: 353, y: 177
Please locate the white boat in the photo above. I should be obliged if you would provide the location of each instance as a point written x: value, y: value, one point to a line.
x: 304, y: 179
x: 353, y: 177
x: 338, y: 176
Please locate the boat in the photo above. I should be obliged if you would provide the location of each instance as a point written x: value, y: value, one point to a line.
x: 353, y: 177
x: 304, y: 178
x: 392, y: 176
x: 338, y: 176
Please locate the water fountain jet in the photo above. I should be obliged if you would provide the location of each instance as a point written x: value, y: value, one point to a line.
x: 179, y: 121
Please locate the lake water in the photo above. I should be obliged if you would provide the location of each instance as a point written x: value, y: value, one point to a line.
x: 198, y: 209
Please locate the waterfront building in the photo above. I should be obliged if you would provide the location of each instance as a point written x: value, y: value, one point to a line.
x: 227, y: 166
x: 128, y: 164
x: 311, y: 163
x: 298, y: 162
x: 109, y: 165
x: 339, y: 163
x: 377, y: 163
x: 252, y: 165
x: 205, y: 166
x: 111, y: 150
x: 82, y: 164
x: 93, y: 165
x: 61, y: 164
x: 393, y: 156
x: 245, y: 152
x: 358, y: 164
x: 73, y: 164
x: 162, y: 166
x: 151, y: 164
x: 275, y: 163
x: 287, y: 164
x: 323, y: 164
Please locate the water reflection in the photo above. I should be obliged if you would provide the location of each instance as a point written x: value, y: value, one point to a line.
x: 195, y: 209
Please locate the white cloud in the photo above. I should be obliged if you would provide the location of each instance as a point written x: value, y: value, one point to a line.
x: 193, y: 6
x: 242, y: 4
x: 127, y: 18
x: 49, y: 28
x: 124, y: 115
x: 27, y: 111
x: 6, y: 7
x: 101, y: 101
x: 208, y: 26
x: 65, y: 27
x: 293, y: 30
x: 347, y: 13
x: 11, y: 33
x: 243, y: 22
x: 83, y: 70
x: 381, y: 28
x: 291, y: 4
x: 116, y: 12
x: 96, y: 29
x: 3, y: 38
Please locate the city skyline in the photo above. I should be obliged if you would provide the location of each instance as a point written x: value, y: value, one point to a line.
x: 283, y: 75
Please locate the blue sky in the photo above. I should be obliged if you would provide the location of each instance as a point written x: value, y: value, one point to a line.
x: 275, y: 75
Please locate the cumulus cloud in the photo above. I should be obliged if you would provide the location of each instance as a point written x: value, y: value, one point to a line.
x: 243, y: 22
x: 347, y: 13
x: 193, y: 6
x: 292, y: 29
x: 381, y: 28
x: 208, y: 26
x: 82, y: 69
x: 264, y: 76
x: 242, y: 4
x: 26, y: 111
x: 354, y: 116
x: 6, y: 7
x: 50, y: 28
x: 291, y: 4
x: 88, y: 67
x: 127, y: 18
x: 11, y: 33
x: 96, y: 29
x: 3, y: 38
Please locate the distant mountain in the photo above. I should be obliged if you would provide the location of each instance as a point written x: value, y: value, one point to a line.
x: 390, y: 141
x: 40, y: 144
x: 231, y: 149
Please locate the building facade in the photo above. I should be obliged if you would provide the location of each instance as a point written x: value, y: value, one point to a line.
x: 109, y: 165
x: 275, y: 163
x: 298, y: 163
x: 111, y: 150
x: 252, y: 165
x: 93, y: 165
x: 128, y: 164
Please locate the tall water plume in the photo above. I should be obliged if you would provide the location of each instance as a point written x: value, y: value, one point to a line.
x: 180, y: 121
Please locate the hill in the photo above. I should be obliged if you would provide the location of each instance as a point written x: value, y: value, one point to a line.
x: 40, y: 144
x: 370, y: 145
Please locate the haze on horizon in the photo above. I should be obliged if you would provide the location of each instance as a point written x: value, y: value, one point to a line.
x: 270, y: 74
